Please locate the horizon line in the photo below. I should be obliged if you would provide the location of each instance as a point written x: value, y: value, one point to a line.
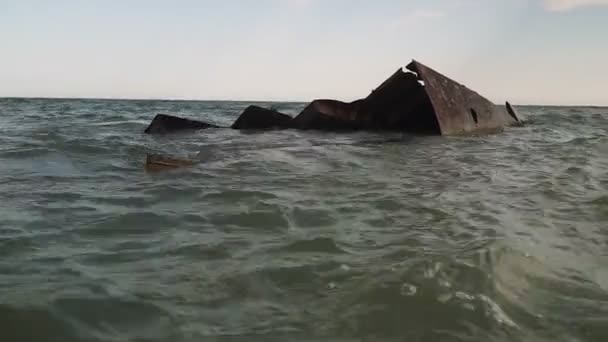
x: 251, y: 101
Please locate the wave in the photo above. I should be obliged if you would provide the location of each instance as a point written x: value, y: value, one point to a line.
x: 299, y: 235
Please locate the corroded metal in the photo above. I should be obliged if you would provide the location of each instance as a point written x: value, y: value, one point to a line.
x: 418, y: 100
x: 255, y: 117
x: 330, y: 115
x: 400, y: 103
x: 458, y: 109
x: 162, y: 124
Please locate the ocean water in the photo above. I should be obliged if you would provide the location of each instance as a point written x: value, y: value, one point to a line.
x: 299, y: 236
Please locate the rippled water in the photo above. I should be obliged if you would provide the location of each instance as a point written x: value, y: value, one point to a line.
x: 299, y: 236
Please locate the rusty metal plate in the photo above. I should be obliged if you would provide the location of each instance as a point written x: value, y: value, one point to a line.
x: 162, y: 124
x: 255, y: 117
x: 330, y: 115
x: 460, y: 110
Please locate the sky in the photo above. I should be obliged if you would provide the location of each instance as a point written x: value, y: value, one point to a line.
x: 548, y: 52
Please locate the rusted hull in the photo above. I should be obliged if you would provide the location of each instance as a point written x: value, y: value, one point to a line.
x: 418, y: 100
x: 400, y: 103
x: 163, y: 124
x: 458, y: 109
x: 330, y: 115
x: 255, y: 117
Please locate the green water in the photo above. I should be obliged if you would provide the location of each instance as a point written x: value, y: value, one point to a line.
x: 299, y: 236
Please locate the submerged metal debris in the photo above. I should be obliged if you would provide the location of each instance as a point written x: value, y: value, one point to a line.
x: 418, y: 100
x: 163, y: 123
x: 156, y: 162
x: 459, y: 109
x: 255, y: 117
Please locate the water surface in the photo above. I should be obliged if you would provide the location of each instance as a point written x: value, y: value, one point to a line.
x: 299, y: 236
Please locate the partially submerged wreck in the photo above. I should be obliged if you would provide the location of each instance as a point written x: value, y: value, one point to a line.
x: 162, y: 124
x: 418, y: 100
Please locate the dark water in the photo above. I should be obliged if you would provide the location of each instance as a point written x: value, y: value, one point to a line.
x: 299, y: 236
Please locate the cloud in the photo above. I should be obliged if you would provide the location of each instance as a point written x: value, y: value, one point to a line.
x: 567, y: 5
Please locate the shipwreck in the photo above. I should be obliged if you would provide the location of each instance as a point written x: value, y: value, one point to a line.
x: 417, y: 100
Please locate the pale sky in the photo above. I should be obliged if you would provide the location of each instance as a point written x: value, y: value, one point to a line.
x: 524, y: 51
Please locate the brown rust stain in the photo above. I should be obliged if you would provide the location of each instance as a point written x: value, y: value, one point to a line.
x: 460, y: 110
x: 157, y: 163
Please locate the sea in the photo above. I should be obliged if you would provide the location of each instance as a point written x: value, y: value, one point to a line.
x: 289, y: 235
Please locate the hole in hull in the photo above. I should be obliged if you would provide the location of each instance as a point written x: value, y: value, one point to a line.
x: 474, y: 115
